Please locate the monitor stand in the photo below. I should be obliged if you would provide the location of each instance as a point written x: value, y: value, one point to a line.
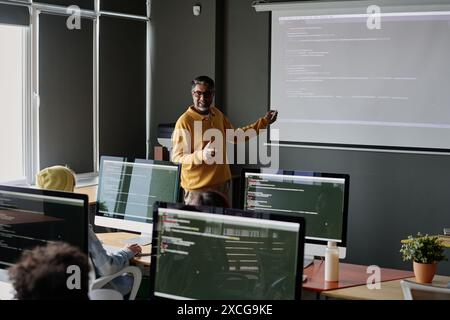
x: 307, y: 260
x: 143, y: 240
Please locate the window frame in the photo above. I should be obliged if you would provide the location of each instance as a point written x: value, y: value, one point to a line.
x: 31, y: 97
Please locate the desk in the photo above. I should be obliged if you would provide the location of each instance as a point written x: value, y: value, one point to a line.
x: 350, y: 275
x: 115, y: 239
x: 445, y: 240
x: 91, y: 191
x: 390, y: 290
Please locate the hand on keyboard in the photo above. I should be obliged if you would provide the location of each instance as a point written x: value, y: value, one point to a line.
x: 135, y: 248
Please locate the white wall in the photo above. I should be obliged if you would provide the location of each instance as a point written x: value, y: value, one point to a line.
x: 11, y: 101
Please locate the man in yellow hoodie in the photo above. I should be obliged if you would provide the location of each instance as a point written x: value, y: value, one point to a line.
x: 203, y: 159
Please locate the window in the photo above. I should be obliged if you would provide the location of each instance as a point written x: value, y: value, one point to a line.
x: 51, y: 86
x: 66, y: 94
x: 13, y: 102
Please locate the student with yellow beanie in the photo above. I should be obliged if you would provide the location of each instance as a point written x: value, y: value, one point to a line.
x: 62, y: 178
x: 56, y: 178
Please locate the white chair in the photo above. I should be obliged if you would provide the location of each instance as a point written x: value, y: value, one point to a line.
x: 416, y: 291
x: 105, y: 294
x: 6, y: 291
x: 99, y: 283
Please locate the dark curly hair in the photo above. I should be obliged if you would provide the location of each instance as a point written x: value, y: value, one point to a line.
x: 42, y: 273
x: 210, y: 198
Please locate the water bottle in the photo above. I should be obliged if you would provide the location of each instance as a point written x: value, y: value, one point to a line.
x: 332, y: 262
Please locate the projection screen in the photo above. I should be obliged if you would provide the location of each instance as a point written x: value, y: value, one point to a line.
x: 341, y: 76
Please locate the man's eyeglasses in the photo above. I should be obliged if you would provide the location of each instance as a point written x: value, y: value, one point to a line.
x: 205, y: 94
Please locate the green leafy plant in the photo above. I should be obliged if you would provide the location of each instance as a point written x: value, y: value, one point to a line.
x: 423, y: 249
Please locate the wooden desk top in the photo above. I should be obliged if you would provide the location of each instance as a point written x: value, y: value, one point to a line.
x: 115, y: 239
x: 445, y: 240
x: 91, y: 191
x: 350, y: 275
x: 390, y: 290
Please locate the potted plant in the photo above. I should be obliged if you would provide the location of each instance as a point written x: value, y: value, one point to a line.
x: 425, y: 252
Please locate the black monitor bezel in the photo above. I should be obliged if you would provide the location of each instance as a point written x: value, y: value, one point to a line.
x: 344, y: 176
x: 227, y: 211
x: 178, y: 196
x: 58, y: 194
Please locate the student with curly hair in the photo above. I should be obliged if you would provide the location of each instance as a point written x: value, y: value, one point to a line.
x: 210, y: 198
x: 44, y: 274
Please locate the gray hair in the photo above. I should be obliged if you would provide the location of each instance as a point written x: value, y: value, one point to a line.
x: 205, y: 80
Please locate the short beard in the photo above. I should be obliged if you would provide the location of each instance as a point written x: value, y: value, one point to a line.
x: 203, y: 110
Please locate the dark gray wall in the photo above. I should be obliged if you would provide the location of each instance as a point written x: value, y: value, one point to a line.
x: 122, y: 95
x: 391, y: 194
x: 183, y: 47
x: 137, y: 7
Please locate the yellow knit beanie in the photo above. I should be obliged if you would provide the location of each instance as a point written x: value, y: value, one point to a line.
x: 56, y: 178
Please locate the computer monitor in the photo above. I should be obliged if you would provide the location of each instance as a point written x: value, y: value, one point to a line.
x: 321, y: 198
x: 127, y: 190
x: 225, y: 254
x: 33, y: 217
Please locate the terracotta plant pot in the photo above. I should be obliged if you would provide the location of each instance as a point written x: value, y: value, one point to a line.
x: 424, y: 272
